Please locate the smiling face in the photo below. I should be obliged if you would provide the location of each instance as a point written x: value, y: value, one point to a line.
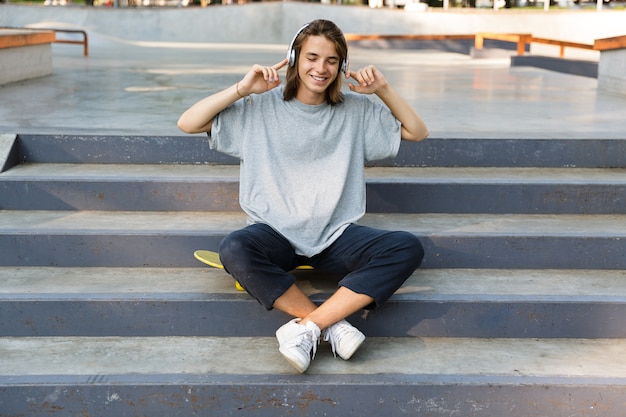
x: 318, y: 66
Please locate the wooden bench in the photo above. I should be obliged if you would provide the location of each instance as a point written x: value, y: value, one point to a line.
x: 25, y: 54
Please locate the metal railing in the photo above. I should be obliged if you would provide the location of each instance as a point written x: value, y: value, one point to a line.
x: 84, y: 42
x: 521, y: 39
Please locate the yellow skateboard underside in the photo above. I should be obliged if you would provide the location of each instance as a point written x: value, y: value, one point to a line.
x: 208, y: 257
x: 213, y: 259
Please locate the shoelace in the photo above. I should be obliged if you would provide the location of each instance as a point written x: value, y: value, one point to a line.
x: 333, y: 334
x: 308, y: 341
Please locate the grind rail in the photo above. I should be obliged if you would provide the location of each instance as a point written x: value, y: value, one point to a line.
x: 521, y: 39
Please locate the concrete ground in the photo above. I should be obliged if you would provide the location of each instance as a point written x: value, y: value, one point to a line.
x: 140, y: 88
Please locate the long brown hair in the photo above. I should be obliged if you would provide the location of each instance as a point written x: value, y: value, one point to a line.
x: 330, y: 31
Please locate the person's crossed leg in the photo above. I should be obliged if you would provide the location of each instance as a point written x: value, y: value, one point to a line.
x: 375, y: 263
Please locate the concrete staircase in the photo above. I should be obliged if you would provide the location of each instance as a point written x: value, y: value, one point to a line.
x: 519, y: 309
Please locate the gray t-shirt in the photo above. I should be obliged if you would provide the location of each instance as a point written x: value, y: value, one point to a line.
x: 302, y: 166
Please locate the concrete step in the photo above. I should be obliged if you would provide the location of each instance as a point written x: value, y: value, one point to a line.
x: 181, y: 376
x: 45, y: 301
x: 168, y: 239
x: 120, y: 187
x: 390, y: 189
x: 194, y: 149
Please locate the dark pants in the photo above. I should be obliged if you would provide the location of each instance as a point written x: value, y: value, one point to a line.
x: 372, y: 262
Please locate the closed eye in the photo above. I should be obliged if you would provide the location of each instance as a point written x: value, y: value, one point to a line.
x: 314, y: 58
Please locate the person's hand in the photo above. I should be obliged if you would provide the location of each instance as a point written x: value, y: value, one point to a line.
x: 369, y: 80
x: 260, y: 79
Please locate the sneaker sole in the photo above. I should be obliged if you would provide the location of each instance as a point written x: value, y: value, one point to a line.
x: 295, y: 362
x: 353, y: 348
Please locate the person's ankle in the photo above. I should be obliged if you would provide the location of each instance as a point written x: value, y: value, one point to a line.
x: 305, y: 320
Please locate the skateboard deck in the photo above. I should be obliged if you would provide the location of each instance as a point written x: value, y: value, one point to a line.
x: 213, y: 259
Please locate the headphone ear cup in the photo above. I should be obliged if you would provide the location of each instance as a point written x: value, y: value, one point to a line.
x: 344, y: 66
x: 291, y: 57
x: 291, y: 52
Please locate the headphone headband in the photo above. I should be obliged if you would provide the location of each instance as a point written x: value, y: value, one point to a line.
x: 291, y: 52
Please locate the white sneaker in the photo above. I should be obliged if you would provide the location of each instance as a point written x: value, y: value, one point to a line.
x: 298, y: 343
x: 344, y: 339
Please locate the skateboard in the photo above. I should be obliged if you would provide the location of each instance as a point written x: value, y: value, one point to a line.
x: 213, y: 259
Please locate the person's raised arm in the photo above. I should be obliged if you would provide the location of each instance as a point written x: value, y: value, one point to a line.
x: 199, y: 117
x: 370, y: 80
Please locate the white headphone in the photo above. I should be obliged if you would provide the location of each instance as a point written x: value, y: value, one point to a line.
x: 291, y: 53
